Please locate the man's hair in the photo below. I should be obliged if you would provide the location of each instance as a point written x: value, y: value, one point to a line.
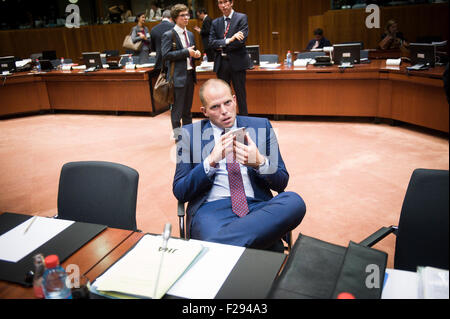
x: 166, y: 14
x: 214, y: 83
x: 201, y: 10
x: 318, y: 31
x: 389, y: 24
x: 176, y: 9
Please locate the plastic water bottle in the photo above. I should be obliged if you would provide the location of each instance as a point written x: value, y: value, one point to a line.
x: 205, y: 58
x: 38, y: 65
x: 54, y: 280
x: 39, y: 268
x: 289, y: 59
x: 130, y: 59
x: 62, y: 63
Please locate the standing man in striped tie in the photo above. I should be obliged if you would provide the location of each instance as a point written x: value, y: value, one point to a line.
x: 227, y: 181
x: 227, y: 37
x: 183, y: 56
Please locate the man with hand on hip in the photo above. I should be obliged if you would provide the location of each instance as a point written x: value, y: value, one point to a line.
x: 227, y: 37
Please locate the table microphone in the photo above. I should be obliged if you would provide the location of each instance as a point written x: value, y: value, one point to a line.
x: 165, y: 236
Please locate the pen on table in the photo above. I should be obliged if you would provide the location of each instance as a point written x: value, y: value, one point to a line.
x: 29, y: 225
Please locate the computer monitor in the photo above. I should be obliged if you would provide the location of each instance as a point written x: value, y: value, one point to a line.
x: 422, y: 53
x: 347, y: 53
x: 7, y: 63
x: 253, y: 53
x: 49, y: 55
x: 92, y: 59
x: 46, y: 65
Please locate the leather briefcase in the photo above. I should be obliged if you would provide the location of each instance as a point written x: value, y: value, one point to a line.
x: 163, y: 89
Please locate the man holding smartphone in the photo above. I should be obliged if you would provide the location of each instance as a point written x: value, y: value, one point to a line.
x: 227, y: 183
x: 227, y: 38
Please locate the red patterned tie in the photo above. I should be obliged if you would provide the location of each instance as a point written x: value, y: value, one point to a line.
x: 237, y: 192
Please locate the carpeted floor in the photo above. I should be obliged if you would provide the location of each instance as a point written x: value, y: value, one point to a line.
x: 352, y: 174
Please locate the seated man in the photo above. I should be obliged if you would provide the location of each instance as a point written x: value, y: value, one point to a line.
x: 227, y: 181
x: 319, y: 41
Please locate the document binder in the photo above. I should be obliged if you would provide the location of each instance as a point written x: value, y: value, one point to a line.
x: 64, y: 245
x: 316, y: 269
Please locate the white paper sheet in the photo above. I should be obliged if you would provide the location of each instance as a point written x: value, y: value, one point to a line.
x: 136, y: 273
x: 400, y: 284
x: 15, y: 244
x: 208, y: 273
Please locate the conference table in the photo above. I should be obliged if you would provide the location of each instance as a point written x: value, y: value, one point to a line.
x: 366, y: 90
x: 76, y: 90
x: 250, y: 278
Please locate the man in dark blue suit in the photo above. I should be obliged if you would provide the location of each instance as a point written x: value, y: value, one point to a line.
x: 227, y: 37
x: 319, y: 41
x: 155, y: 37
x: 206, y: 153
x: 184, y: 76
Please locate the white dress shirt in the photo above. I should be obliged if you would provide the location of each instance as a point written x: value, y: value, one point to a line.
x: 180, y: 33
x: 225, y: 23
x: 221, y: 187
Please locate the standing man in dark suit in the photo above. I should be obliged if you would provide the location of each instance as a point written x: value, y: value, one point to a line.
x: 227, y: 37
x: 155, y: 37
x: 183, y: 56
x: 204, y: 32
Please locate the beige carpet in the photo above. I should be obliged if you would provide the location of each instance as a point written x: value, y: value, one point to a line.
x: 352, y: 175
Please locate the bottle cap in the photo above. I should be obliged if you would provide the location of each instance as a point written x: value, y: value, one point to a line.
x: 51, y: 261
x: 345, y: 295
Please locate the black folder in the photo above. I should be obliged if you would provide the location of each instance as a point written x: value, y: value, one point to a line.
x: 64, y: 245
x: 316, y: 269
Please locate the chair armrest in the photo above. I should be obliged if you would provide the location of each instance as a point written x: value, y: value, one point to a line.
x: 181, y: 214
x: 378, y: 235
x: 180, y: 211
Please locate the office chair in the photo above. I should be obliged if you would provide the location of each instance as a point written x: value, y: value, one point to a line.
x: 111, y: 53
x: 57, y: 62
x: 271, y: 58
x: 310, y: 55
x: 354, y: 42
x: 35, y: 56
x: 181, y: 222
x: 364, y: 54
x: 124, y: 59
x: 422, y: 232
x: 99, y: 193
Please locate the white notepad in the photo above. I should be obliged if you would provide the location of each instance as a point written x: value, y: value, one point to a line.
x: 135, y: 274
x: 16, y: 244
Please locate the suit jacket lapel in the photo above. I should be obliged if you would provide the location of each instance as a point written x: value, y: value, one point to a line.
x: 207, y: 138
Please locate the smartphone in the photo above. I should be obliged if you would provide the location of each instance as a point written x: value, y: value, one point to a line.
x: 239, y: 133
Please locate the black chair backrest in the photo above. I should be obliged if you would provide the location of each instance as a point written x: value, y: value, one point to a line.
x: 271, y: 58
x: 422, y: 238
x: 98, y: 192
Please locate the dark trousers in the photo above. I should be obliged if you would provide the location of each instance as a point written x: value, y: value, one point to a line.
x: 238, y: 79
x: 181, y: 108
x: 261, y: 228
